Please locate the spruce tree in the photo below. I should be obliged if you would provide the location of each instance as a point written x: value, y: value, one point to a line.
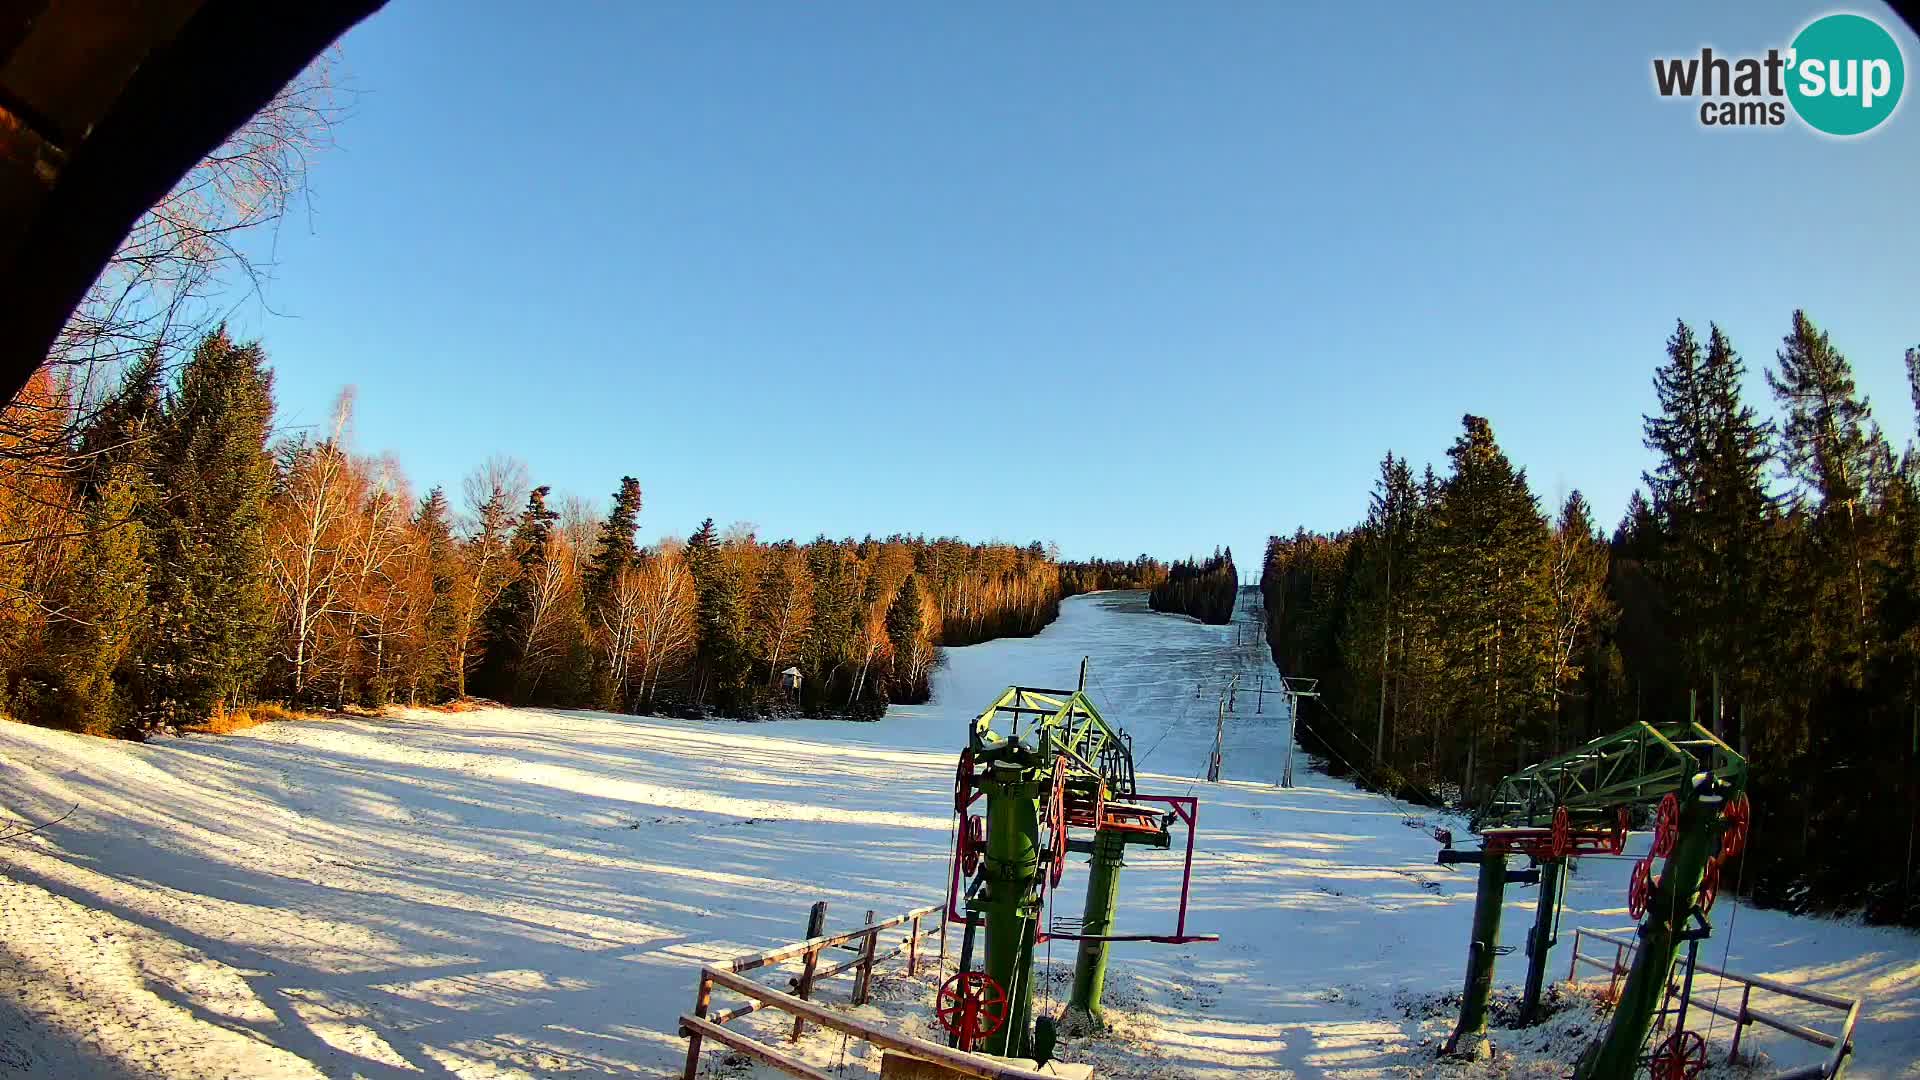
x: 614, y: 554
x: 209, y: 622
x: 500, y: 672
x: 1833, y: 453
x: 433, y: 528
x: 1711, y: 554
x: 719, y: 608
x: 1489, y: 569
x: 616, y: 551
x: 103, y: 599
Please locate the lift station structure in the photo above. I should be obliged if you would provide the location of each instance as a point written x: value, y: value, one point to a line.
x: 1039, y: 766
x: 1584, y: 802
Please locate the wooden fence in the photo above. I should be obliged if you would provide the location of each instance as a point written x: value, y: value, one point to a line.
x: 864, y: 943
x: 1840, y: 1043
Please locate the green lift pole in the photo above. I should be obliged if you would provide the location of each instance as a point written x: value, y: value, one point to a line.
x: 1472, y: 1028
x: 1616, y: 1057
x: 1012, y: 866
x: 1103, y: 886
x: 1541, y: 940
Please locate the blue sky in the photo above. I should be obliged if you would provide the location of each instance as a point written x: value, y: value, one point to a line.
x: 1124, y: 276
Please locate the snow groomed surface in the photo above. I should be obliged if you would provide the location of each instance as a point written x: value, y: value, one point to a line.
x: 526, y: 893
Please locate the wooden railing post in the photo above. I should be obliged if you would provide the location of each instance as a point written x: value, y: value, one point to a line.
x: 816, y: 926
x: 863, y: 974
x: 1573, y: 964
x: 943, y: 940
x: 702, y: 998
x: 1740, y: 1024
x: 913, y: 947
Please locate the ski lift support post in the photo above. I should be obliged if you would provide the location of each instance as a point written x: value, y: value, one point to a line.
x: 1579, y: 803
x: 1053, y: 764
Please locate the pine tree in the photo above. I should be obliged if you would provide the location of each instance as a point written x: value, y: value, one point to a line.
x: 209, y: 618
x: 440, y: 625
x: 503, y: 672
x: 1710, y: 554
x: 720, y: 608
x: 615, y: 556
x: 103, y: 600
x: 616, y: 551
x: 906, y: 632
x: 1488, y: 573
x: 1834, y: 455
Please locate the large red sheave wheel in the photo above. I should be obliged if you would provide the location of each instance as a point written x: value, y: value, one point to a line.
x: 1054, y: 816
x: 1666, y: 826
x: 963, y: 782
x: 1709, y: 886
x: 1682, y: 1056
x: 1621, y: 827
x: 1739, y: 814
x: 1562, y: 833
x: 971, y: 1006
x: 973, y: 843
x: 1640, y: 888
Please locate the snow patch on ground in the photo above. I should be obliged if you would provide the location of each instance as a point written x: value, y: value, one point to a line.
x: 527, y: 893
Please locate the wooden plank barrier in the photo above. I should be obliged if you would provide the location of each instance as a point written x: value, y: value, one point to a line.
x: 863, y: 942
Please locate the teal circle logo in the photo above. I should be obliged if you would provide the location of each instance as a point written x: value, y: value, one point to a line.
x: 1845, y: 74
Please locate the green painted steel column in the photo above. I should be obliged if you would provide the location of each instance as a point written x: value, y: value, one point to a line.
x: 1011, y: 867
x: 1472, y: 1028
x: 1103, y: 887
x: 1617, y: 1055
x: 1540, y: 940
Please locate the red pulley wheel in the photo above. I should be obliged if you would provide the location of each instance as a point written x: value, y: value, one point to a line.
x: 1739, y: 814
x: 1666, y: 826
x: 1055, y: 818
x: 973, y: 843
x: 1682, y: 1056
x: 1562, y: 833
x: 971, y: 1006
x: 1640, y: 888
x: 963, y: 782
x: 1620, y: 829
x: 1709, y: 886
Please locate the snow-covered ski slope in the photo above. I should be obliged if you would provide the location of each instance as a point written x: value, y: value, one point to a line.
x: 520, y: 893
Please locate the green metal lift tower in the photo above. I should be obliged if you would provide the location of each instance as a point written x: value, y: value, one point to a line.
x: 1045, y: 763
x: 1582, y: 802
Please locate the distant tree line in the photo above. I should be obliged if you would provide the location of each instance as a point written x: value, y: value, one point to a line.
x: 1765, y: 581
x: 163, y: 557
x: 1098, y: 575
x: 1205, y: 590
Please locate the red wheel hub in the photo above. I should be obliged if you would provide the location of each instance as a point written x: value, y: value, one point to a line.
x: 971, y: 1006
x: 1562, y: 833
x: 1666, y: 826
x: 1682, y: 1056
x: 1640, y: 888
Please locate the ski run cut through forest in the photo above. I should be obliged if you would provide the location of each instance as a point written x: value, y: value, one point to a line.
x: 529, y: 892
